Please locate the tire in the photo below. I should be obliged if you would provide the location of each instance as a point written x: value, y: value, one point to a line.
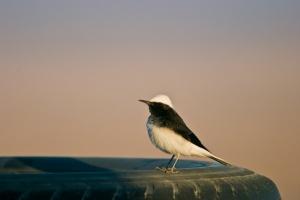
x: 127, y: 178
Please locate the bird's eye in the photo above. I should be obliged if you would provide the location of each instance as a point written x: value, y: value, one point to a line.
x: 165, y: 107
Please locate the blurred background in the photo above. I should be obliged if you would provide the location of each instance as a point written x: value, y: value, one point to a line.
x: 71, y: 74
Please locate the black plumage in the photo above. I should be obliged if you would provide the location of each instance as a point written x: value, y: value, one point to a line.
x: 165, y: 116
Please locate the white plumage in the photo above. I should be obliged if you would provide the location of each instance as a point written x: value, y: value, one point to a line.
x: 170, y: 142
x: 161, y: 98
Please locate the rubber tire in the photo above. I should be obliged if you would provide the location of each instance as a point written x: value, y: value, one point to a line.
x: 127, y: 178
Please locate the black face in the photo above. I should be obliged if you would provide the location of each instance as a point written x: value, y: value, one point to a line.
x: 158, y: 109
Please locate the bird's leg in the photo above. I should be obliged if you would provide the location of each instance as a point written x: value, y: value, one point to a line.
x: 167, y: 167
x: 172, y: 169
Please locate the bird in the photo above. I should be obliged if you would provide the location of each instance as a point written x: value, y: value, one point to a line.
x: 169, y: 133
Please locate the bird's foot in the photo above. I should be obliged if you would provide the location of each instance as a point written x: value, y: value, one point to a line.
x: 168, y: 170
x: 162, y: 169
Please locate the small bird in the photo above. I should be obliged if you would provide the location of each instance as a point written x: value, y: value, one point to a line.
x: 169, y: 133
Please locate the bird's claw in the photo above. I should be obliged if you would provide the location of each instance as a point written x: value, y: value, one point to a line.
x: 168, y: 170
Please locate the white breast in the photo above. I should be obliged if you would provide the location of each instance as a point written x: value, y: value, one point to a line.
x: 169, y: 142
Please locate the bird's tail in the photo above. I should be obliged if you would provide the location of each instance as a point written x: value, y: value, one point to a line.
x: 220, y: 160
x: 197, y: 151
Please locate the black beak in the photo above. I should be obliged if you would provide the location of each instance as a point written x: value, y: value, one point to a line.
x: 144, y: 101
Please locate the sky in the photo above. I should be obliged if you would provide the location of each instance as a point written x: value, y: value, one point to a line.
x: 72, y: 72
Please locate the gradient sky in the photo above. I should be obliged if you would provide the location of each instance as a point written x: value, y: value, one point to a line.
x: 71, y: 74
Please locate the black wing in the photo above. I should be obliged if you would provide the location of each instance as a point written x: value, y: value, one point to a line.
x: 179, y: 127
x: 187, y: 134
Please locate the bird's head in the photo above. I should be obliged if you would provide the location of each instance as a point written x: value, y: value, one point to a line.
x: 159, y: 104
